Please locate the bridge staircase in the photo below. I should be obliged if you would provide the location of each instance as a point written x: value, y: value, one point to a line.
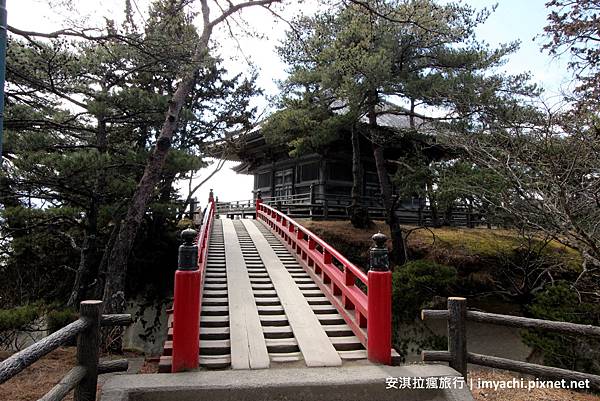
x: 265, y: 309
x: 245, y: 255
x: 266, y: 292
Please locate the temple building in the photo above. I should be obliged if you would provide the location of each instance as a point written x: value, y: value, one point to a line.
x: 325, y: 177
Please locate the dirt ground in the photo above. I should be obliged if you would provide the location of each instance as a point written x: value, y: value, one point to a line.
x: 39, y: 378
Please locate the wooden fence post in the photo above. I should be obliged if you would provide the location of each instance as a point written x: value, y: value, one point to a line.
x: 87, y: 350
x: 457, y: 334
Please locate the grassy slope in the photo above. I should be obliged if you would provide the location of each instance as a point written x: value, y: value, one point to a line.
x: 454, y: 246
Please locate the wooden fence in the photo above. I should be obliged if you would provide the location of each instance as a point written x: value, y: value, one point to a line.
x: 458, y: 356
x: 338, y: 206
x: 83, y: 378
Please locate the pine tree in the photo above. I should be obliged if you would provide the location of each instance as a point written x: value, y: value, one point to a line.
x: 421, y: 54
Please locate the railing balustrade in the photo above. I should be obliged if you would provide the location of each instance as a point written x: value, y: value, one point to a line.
x: 189, y: 284
x: 368, y: 313
x: 458, y: 356
x: 83, y: 378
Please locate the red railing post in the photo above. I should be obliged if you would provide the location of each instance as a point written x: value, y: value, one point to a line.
x: 379, y: 309
x: 258, y: 202
x: 186, y: 306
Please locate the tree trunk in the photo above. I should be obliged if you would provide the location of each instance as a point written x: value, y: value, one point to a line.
x: 398, y: 248
x: 432, y: 203
x: 88, y: 253
x: 103, y: 265
x: 359, y: 213
x: 114, y: 287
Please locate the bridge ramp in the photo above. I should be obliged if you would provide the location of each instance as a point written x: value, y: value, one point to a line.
x: 260, y: 309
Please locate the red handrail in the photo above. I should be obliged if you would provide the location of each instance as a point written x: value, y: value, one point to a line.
x: 319, y: 263
x: 187, y: 302
x: 204, y: 236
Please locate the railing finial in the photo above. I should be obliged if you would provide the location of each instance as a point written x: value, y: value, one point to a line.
x: 211, y: 196
x: 188, y: 252
x: 378, y: 254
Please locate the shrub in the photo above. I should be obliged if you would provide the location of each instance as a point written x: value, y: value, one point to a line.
x: 414, y: 286
x: 18, y: 318
x: 14, y: 321
x: 59, y: 318
x: 415, y: 283
x: 560, y: 302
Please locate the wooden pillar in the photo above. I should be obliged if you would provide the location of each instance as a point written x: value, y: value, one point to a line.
x: 312, y: 199
x: 88, y: 343
x: 272, y: 179
x: 457, y: 334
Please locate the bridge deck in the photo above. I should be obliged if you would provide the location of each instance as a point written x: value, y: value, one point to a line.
x: 260, y: 309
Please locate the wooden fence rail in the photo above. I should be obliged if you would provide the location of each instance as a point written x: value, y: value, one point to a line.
x: 310, y: 205
x: 458, y: 356
x: 83, y: 378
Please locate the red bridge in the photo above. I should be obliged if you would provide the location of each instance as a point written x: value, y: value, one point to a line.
x: 258, y: 293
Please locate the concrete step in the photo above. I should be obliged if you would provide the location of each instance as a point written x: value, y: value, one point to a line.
x: 214, y: 311
x: 353, y: 355
x: 349, y: 343
x: 338, y: 330
x: 164, y: 364
x: 312, y: 293
x: 260, y: 277
x: 311, y: 286
x: 214, y: 302
x: 323, y: 309
x: 213, y: 294
x: 281, y: 345
x: 286, y: 357
x: 215, y: 269
x: 271, y: 310
x: 266, y: 301
x: 214, y: 333
x: 273, y: 320
x: 215, y: 347
x: 277, y: 332
x: 318, y: 300
x: 214, y: 321
x: 215, y: 361
x: 264, y: 293
x: 215, y: 281
x: 331, y: 318
x: 214, y: 276
x: 215, y: 287
x: 262, y: 286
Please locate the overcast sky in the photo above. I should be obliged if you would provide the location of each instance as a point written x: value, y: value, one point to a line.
x: 513, y: 20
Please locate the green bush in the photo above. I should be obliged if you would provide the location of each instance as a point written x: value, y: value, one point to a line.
x: 415, y: 283
x: 59, y: 318
x: 19, y: 317
x: 560, y: 302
